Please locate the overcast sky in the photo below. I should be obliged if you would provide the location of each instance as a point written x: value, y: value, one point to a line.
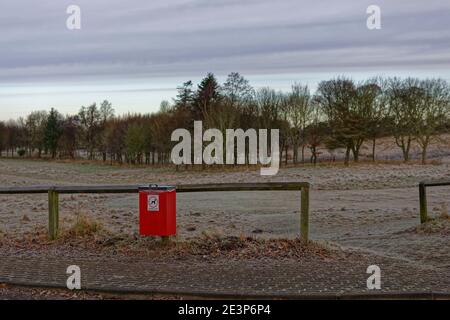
x: 136, y: 52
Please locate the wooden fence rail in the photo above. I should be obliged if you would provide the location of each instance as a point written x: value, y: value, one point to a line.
x: 423, y: 197
x: 54, y: 192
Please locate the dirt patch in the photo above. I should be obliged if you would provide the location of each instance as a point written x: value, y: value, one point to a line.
x: 235, y: 247
x: 101, y: 241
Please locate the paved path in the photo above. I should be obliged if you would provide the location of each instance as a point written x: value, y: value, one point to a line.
x: 224, y: 277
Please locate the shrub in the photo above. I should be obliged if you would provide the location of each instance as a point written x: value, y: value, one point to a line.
x: 21, y: 152
x: 84, y: 226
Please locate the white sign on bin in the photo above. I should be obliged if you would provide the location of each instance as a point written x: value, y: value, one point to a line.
x: 153, y: 202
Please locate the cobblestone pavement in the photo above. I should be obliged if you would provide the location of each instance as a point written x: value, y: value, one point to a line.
x: 14, y: 292
x: 288, y: 278
x: 20, y: 292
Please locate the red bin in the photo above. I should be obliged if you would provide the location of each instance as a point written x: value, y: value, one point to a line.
x: 157, y: 211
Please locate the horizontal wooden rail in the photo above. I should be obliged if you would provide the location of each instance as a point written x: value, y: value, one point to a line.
x: 272, y: 186
x: 55, y: 191
x: 438, y: 183
x: 25, y: 190
x: 423, y: 196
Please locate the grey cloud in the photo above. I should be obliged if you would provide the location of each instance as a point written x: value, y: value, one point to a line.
x: 166, y: 38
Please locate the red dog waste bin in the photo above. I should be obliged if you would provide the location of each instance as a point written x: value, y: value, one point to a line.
x: 157, y: 211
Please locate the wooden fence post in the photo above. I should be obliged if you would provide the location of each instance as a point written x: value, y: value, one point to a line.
x: 423, y: 203
x: 304, y: 214
x: 53, y: 214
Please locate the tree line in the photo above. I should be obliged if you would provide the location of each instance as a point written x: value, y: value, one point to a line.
x: 340, y: 114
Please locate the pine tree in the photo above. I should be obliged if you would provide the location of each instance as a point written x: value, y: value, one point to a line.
x: 185, y: 96
x: 52, y: 132
x: 207, y: 95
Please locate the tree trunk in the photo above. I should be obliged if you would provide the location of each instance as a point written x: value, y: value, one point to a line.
x: 303, y: 153
x: 313, y: 155
x: 405, y: 154
x: 286, y: 151
x: 356, y: 155
x: 424, y: 154
x: 424, y: 144
x: 295, y: 160
x: 281, y: 153
x: 347, y: 157
x: 355, y: 150
x: 405, y: 150
x: 374, y: 141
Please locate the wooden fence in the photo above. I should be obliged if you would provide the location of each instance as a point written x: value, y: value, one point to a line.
x: 54, y: 192
x: 423, y: 197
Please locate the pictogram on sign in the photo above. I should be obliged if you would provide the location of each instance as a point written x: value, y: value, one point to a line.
x: 153, y: 202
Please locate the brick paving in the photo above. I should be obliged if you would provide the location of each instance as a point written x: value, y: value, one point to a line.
x: 222, y: 277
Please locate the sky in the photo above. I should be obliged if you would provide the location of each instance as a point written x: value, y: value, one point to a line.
x: 135, y: 53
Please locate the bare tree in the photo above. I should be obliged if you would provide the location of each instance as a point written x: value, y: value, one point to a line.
x: 13, y: 137
x: 114, y: 137
x: 338, y: 100
x: 405, y: 103
x: 106, y: 111
x: 434, y: 110
x: 3, y: 137
x: 268, y: 102
x: 371, y: 109
x: 316, y: 131
x: 91, y: 122
x: 271, y: 112
x: 237, y: 90
x: 69, y: 135
x: 299, y: 115
x: 36, y: 123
